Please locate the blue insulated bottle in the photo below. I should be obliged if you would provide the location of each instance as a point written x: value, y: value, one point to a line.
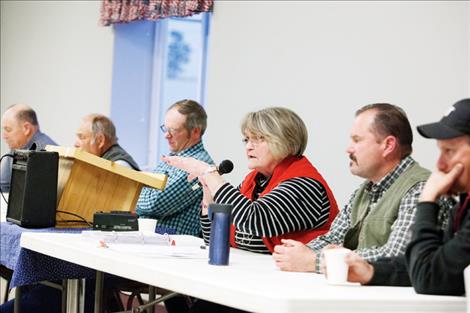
x: 219, y: 245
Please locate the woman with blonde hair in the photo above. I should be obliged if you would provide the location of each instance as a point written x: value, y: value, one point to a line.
x: 284, y: 196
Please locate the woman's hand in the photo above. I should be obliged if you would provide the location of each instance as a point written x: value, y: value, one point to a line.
x: 206, y: 198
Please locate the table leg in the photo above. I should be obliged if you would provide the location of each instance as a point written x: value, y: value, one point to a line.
x: 76, y: 296
x: 151, y: 298
x: 6, y: 274
x: 99, y: 291
x: 63, y: 308
x: 16, y: 306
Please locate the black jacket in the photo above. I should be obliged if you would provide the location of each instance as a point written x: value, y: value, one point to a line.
x: 435, y: 260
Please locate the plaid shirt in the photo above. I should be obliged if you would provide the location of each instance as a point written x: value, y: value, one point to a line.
x: 177, y: 207
x: 400, y: 234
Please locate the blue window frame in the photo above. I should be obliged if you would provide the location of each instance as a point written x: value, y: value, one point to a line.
x: 155, y: 64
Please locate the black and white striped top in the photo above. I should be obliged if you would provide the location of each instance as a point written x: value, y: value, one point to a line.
x: 296, y: 204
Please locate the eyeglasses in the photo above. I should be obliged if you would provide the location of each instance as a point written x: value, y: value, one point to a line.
x: 255, y: 140
x: 170, y: 130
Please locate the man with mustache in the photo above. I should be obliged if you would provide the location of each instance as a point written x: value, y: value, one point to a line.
x: 435, y: 259
x: 376, y: 221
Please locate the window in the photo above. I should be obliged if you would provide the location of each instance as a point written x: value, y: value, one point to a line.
x: 155, y: 65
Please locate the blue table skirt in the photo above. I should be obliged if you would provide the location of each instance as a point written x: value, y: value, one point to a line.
x: 29, y: 266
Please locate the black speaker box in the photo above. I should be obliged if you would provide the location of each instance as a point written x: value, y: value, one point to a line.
x: 32, y: 200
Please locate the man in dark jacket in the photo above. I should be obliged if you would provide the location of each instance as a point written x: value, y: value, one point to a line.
x: 435, y: 260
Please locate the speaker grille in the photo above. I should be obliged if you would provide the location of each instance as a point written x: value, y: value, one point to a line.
x: 33, y: 189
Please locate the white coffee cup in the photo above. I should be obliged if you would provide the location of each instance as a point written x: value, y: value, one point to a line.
x: 336, y: 267
x: 147, y: 225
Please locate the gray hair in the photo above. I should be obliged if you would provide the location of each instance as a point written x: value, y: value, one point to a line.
x: 101, y: 124
x: 283, y: 130
x: 196, y: 116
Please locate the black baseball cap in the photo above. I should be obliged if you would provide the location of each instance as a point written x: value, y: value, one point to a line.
x: 455, y: 123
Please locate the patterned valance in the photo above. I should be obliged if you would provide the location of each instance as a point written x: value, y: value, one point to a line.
x: 125, y: 11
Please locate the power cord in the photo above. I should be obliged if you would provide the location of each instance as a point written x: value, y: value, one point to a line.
x: 82, y: 220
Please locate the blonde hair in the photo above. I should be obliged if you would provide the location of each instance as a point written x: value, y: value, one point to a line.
x: 283, y: 130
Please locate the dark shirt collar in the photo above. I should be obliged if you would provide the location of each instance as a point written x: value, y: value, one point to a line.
x: 261, y: 182
x: 387, y: 181
x: 110, y: 147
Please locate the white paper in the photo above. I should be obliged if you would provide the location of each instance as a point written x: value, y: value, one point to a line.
x: 155, y: 251
x: 135, y: 237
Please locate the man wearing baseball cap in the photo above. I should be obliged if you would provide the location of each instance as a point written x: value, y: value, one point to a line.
x: 435, y: 260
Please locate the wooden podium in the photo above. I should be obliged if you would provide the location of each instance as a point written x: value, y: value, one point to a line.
x: 88, y: 184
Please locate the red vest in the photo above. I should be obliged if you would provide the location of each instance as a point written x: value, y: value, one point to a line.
x: 290, y: 167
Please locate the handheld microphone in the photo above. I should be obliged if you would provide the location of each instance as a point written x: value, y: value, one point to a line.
x: 225, y: 167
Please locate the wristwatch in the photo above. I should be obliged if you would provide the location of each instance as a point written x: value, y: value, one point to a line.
x: 210, y: 169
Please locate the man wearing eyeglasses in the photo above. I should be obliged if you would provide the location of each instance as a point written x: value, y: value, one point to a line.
x: 177, y: 207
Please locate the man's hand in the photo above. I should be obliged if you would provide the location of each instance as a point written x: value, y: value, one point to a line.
x: 294, y: 256
x: 194, y: 167
x: 440, y: 183
x: 360, y: 270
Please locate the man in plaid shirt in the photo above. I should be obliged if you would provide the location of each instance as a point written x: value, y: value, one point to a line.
x: 377, y: 219
x: 177, y: 207
x: 435, y: 259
